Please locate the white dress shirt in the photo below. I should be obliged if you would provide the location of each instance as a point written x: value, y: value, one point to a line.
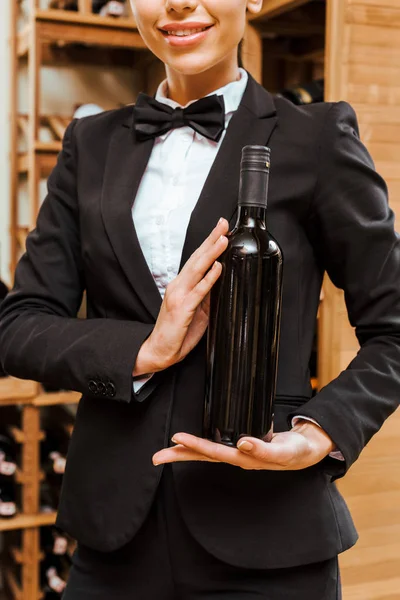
x: 170, y: 187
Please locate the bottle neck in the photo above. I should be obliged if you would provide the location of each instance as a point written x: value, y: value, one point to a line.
x: 250, y: 215
x: 253, y: 187
x: 253, y: 194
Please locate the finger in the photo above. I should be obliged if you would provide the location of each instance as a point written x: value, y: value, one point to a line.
x: 214, y: 452
x: 203, y: 287
x: 218, y: 452
x: 178, y: 454
x: 203, y: 257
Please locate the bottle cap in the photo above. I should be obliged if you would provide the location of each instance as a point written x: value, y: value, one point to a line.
x: 256, y: 158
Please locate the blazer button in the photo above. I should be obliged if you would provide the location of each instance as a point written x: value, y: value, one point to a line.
x: 111, y: 389
x: 93, y: 387
x: 101, y: 387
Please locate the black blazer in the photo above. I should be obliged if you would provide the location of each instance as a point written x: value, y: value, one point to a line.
x: 328, y: 209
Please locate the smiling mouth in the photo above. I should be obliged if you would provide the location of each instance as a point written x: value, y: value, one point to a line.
x: 185, y: 32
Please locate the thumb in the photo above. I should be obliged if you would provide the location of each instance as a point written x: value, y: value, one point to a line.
x: 259, y: 449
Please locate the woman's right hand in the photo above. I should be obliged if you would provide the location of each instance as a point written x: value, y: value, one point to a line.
x: 184, y: 313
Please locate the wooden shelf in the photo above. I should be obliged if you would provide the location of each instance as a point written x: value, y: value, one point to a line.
x: 28, y: 521
x: 275, y: 8
x: 17, y: 391
x: 20, y: 391
x: 52, y: 399
x: 69, y: 27
x: 46, y: 160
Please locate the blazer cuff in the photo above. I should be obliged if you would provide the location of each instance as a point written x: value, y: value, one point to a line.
x: 138, y: 382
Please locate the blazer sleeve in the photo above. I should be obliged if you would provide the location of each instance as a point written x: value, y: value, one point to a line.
x: 355, y: 241
x: 41, y: 337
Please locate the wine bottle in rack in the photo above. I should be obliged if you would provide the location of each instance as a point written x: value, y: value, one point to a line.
x: 8, y: 459
x: 49, y: 497
x: 8, y: 499
x: 52, y: 541
x: 307, y: 93
x: 53, y: 452
x: 244, y: 323
x: 52, y: 574
x: 109, y: 8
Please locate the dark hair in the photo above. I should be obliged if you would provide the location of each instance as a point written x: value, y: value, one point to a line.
x: 240, y: 59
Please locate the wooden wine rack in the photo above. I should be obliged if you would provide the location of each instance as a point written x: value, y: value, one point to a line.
x: 30, y: 397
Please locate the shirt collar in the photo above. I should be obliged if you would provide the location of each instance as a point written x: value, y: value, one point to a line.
x: 232, y: 93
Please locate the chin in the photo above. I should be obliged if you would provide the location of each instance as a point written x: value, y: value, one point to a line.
x: 191, y: 67
x: 193, y: 64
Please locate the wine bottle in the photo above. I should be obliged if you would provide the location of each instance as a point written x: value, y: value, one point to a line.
x: 53, y: 452
x: 244, y: 323
x: 52, y: 573
x: 8, y: 501
x: 8, y: 461
x: 307, y: 93
x: 52, y: 541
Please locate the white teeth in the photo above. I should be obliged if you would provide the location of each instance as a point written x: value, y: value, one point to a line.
x: 182, y: 32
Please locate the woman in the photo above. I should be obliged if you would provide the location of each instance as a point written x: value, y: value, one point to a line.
x: 132, y: 216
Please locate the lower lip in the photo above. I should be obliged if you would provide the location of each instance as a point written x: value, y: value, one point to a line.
x: 186, y: 40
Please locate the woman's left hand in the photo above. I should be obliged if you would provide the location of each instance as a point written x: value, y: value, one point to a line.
x: 303, y: 446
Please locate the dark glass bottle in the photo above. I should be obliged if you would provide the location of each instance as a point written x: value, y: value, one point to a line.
x: 244, y: 323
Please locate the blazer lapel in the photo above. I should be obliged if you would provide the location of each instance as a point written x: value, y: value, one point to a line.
x: 127, y: 159
x: 125, y: 165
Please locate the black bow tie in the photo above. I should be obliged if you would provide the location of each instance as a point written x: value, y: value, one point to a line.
x: 153, y: 118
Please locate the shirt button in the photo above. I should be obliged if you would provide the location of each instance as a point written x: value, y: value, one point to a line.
x: 170, y: 269
x: 160, y: 220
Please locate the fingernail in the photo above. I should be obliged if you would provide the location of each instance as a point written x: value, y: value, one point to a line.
x: 174, y: 441
x: 246, y: 446
x: 220, y: 221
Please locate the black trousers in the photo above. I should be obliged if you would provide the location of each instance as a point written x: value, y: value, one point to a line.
x: 164, y: 562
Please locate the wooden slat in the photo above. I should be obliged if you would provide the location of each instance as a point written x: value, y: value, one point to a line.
x: 385, y: 133
x: 23, y: 41
x: 273, y: 8
x: 388, y: 170
x: 85, y: 7
x: 252, y: 52
x: 374, y: 15
x: 377, y: 114
x: 57, y: 126
x: 16, y: 554
x: 369, y: 34
x: 23, y: 478
x: 377, y: 537
x: 27, y: 521
x: 48, y: 146
x: 17, y: 434
x: 371, y: 94
x: 91, y: 33
x: 17, y: 391
x: 373, y: 75
x: 386, y: 151
x: 374, y: 3
x: 67, y: 16
x: 49, y: 399
x: 368, y: 54
x: 375, y: 590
